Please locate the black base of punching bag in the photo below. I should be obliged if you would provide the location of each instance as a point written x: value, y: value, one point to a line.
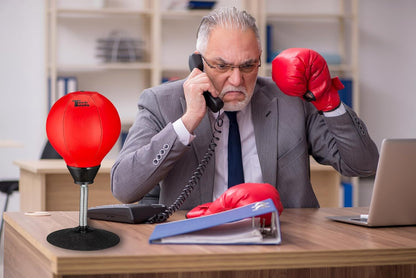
x: 83, y: 239
x: 83, y: 175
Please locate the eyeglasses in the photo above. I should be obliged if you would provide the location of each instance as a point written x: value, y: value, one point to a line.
x: 244, y: 68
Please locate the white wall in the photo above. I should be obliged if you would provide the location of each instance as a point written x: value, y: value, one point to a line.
x: 22, y: 81
x: 387, y: 83
x: 388, y: 67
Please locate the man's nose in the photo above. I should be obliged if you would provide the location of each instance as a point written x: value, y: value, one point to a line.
x: 236, y: 77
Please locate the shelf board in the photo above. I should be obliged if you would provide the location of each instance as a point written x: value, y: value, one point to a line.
x: 271, y: 16
x: 104, y: 66
x: 180, y: 14
x: 104, y: 11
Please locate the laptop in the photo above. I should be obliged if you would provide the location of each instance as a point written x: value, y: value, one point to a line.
x: 393, y: 202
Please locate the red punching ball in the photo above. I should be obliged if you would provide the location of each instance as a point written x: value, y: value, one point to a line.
x: 83, y: 127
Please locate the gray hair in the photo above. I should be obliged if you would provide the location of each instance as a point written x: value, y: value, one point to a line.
x: 226, y: 18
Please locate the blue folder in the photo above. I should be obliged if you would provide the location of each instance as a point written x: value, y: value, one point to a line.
x: 216, y: 226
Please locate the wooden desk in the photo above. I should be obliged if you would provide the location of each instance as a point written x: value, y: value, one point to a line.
x: 10, y: 144
x: 312, y: 246
x: 47, y: 185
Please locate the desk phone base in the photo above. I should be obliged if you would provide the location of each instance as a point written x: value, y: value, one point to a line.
x: 125, y: 213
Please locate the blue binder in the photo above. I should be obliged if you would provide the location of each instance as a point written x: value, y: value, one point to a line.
x: 346, y: 93
x: 223, y: 228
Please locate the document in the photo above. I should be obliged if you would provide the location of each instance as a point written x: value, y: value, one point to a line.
x: 236, y: 226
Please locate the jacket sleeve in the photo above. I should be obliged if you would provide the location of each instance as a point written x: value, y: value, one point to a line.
x: 148, y: 154
x: 347, y: 145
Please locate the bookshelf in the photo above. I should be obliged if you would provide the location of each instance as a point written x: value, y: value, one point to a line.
x: 168, y: 32
x: 73, y: 28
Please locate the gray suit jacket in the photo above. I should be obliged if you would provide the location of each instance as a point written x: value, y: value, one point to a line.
x: 287, y: 130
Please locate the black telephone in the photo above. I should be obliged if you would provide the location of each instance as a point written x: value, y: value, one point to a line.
x: 157, y: 213
x: 213, y: 103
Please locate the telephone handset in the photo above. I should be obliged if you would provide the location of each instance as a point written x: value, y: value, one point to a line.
x: 213, y: 103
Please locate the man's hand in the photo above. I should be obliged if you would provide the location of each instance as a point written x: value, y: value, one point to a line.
x: 304, y: 73
x: 238, y: 196
x: 193, y: 87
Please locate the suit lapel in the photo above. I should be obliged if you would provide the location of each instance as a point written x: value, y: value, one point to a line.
x: 265, y: 122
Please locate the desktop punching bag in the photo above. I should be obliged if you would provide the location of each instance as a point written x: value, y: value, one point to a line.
x: 83, y: 127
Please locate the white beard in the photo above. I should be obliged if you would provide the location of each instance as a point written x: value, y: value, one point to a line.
x: 235, y: 106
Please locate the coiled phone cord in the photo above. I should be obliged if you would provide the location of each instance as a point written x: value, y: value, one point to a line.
x: 195, y: 178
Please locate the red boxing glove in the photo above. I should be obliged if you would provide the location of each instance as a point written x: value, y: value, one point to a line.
x: 304, y: 73
x: 238, y: 196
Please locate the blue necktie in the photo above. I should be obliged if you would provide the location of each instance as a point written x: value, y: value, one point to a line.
x: 235, y: 161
